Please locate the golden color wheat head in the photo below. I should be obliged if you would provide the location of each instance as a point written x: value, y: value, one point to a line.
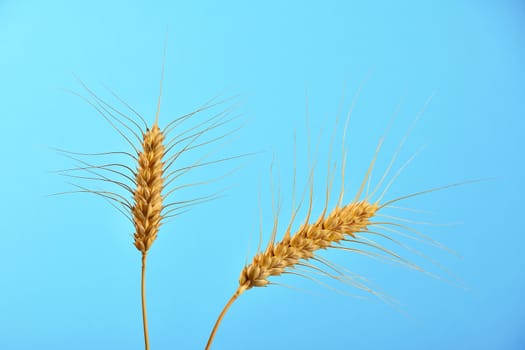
x: 147, y: 197
x: 144, y: 180
x: 340, y: 225
x: 358, y: 227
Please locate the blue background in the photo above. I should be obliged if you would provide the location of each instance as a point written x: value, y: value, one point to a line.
x: 70, y: 274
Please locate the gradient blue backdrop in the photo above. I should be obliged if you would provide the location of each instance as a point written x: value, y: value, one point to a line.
x: 69, y: 272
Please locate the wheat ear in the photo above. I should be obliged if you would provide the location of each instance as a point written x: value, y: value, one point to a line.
x: 340, y: 226
x: 147, y: 209
x: 143, y: 181
x: 344, y: 225
x: 147, y: 197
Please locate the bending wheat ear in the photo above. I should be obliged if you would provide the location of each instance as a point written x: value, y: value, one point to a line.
x: 345, y: 225
x: 145, y: 176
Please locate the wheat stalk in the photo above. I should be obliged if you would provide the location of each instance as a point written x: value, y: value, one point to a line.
x: 151, y: 179
x: 148, y: 201
x: 345, y: 227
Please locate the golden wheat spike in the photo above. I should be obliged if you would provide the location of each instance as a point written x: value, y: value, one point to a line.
x: 345, y: 227
x: 148, y: 204
x: 149, y: 175
x: 285, y: 255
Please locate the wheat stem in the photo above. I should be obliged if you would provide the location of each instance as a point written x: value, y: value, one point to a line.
x: 143, y: 296
x: 237, y: 293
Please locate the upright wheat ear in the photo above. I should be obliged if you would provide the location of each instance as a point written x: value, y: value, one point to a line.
x: 148, y: 194
x: 147, y: 177
x: 147, y: 197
